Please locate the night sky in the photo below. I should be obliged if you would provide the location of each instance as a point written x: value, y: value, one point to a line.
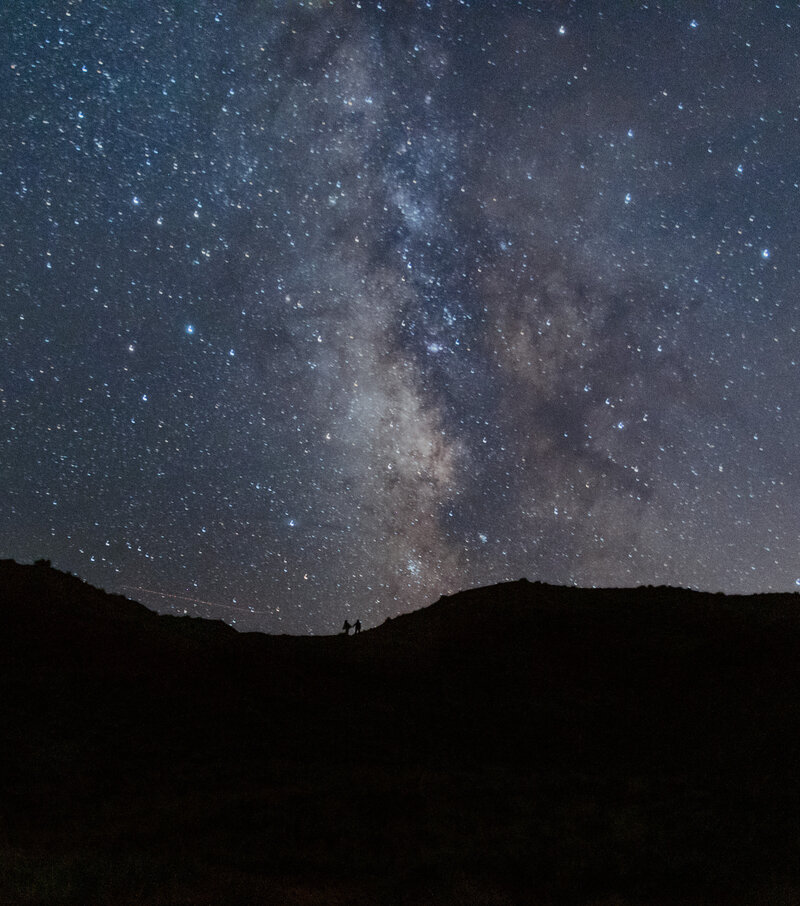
x: 322, y: 310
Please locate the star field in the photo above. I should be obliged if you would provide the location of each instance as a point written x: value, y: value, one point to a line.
x: 321, y: 310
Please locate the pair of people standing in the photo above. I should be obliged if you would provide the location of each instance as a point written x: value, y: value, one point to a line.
x: 356, y: 627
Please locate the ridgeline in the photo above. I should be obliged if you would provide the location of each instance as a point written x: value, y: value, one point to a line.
x: 521, y: 743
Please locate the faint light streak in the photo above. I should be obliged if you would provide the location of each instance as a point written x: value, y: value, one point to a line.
x: 166, y: 594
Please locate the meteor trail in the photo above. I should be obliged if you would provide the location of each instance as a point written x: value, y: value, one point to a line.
x: 164, y: 594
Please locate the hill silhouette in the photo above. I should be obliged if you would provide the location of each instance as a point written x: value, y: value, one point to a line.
x: 512, y: 744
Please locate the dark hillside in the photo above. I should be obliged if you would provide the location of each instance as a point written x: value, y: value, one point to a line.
x: 520, y: 743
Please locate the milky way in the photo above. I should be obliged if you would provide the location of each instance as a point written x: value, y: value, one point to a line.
x: 321, y: 310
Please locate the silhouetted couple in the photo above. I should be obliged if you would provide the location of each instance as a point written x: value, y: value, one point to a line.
x: 356, y: 627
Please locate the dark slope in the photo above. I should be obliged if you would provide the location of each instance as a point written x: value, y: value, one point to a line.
x: 520, y: 743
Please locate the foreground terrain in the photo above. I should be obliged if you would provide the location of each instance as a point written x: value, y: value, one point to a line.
x: 514, y: 744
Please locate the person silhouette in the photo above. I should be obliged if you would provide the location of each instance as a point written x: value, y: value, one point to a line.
x: 346, y: 628
x: 357, y: 627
